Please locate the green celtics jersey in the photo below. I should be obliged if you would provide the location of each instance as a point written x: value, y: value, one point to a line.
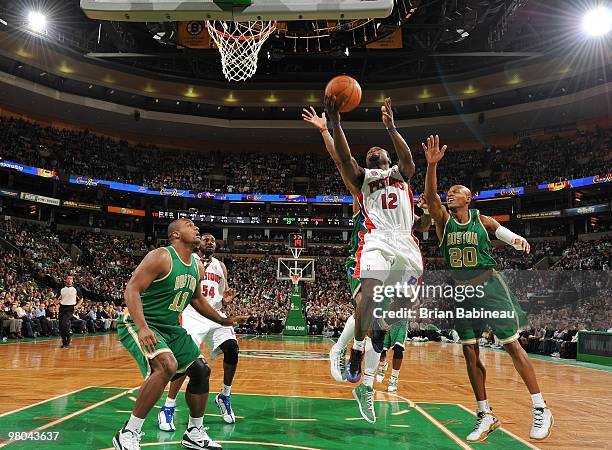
x: 467, y: 246
x: 164, y: 300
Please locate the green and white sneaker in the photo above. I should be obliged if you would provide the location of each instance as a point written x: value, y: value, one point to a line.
x: 365, y: 400
x: 392, y: 384
x: 380, y: 373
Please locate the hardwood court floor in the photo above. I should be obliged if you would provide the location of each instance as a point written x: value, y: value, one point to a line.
x: 286, y: 399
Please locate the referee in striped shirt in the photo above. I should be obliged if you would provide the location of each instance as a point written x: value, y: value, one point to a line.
x: 69, y: 298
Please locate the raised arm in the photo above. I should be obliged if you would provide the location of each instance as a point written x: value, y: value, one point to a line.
x: 310, y: 116
x: 156, y: 264
x: 351, y: 172
x: 433, y: 155
x: 504, y: 234
x: 406, y: 164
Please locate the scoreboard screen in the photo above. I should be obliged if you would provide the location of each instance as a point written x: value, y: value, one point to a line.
x: 296, y: 222
x: 207, y: 218
x: 297, y: 240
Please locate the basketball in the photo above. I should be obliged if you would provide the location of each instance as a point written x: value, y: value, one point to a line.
x: 347, y: 90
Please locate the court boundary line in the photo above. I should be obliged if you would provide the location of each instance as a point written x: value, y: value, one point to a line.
x: 74, y: 414
x: 508, y: 432
x: 45, y: 401
x: 456, y: 439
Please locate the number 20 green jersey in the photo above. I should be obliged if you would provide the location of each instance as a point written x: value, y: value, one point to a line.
x: 466, y: 247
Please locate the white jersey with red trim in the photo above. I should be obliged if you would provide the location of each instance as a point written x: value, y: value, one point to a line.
x: 386, y: 200
x: 213, y: 283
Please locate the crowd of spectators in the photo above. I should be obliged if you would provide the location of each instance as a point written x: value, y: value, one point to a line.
x: 29, y: 309
x: 87, y: 154
x: 587, y: 255
x: 102, y: 263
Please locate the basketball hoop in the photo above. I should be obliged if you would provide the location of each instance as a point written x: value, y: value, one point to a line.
x: 296, y: 275
x: 239, y: 44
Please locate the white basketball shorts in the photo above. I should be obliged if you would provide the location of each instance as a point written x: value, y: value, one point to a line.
x: 205, y: 330
x: 389, y: 256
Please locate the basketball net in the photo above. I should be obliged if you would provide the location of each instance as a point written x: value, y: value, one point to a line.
x: 296, y: 277
x: 239, y: 44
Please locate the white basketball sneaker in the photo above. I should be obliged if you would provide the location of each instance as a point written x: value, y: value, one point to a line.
x: 337, y: 364
x: 392, y: 385
x: 542, y: 423
x: 485, y: 424
x: 197, y: 438
x: 127, y: 439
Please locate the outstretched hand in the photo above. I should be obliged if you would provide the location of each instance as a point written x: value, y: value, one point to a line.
x: 387, y: 114
x: 332, y: 107
x: 433, y: 152
x: 310, y: 115
x: 521, y: 245
x: 229, y: 295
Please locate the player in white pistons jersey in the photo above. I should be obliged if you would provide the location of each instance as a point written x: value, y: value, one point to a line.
x: 388, y: 206
x: 219, y: 339
x: 388, y: 253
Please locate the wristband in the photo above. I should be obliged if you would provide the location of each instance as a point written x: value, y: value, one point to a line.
x: 425, y: 211
x: 336, y: 125
x: 323, y: 129
x: 392, y: 129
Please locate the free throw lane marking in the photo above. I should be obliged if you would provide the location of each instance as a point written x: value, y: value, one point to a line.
x: 44, y: 401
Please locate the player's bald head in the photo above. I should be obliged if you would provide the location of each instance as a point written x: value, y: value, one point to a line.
x: 461, y: 188
x: 377, y: 158
x: 458, y: 197
x: 175, y: 227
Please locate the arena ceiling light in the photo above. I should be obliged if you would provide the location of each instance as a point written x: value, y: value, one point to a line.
x: 37, y: 21
x: 597, y: 22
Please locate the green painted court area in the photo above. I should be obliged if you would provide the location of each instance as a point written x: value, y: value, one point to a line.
x: 88, y: 419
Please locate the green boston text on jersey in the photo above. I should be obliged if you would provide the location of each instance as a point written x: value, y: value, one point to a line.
x: 467, y: 246
x: 164, y: 300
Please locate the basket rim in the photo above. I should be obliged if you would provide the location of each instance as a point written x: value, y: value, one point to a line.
x: 224, y: 35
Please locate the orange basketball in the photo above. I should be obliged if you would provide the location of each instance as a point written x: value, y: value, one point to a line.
x: 346, y: 89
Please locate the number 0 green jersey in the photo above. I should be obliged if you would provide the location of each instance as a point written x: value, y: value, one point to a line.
x: 164, y: 300
x: 467, y: 246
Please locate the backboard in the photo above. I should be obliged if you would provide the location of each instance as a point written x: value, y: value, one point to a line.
x: 287, y: 266
x: 234, y: 10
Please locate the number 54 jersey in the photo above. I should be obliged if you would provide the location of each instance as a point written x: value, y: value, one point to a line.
x: 389, y: 249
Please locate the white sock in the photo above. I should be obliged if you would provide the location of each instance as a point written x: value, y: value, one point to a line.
x: 395, y: 373
x: 170, y: 402
x: 195, y: 422
x: 134, y: 424
x: 371, y: 363
x: 348, y: 333
x: 538, y: 401
x: 226, y: 390
x: 358, y: 345
x: 483, y: 406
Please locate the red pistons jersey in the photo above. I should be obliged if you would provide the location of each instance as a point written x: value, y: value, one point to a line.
x: 386, y: 201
